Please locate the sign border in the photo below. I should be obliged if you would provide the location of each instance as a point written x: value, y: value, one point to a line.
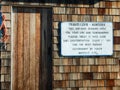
x: 60, y: 24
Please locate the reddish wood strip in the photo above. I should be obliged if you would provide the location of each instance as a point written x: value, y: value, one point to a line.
x: 116, y: 25
x: 101, y: 11
x: 20, y: 50
x: 110, y: 83
x: 116, y: 40
x: 83, y: 11
x: 37, y: 49
x: 26, y: 50
x: 108, y: 4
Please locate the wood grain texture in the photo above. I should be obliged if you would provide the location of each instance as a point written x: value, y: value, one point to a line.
x: 116, y: 40
x: 20, y: 50
x: 15, y: 72
x: 24, y: 58
x: 38, y: 49
x: 26, y: 41
x: 29, y: 72
x: 32, y: 49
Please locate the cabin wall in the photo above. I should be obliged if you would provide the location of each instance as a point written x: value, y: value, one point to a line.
x: 76, y: 73
x: 87, y: 73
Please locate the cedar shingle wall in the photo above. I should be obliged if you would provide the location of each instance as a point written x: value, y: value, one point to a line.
x: 81, y: 73
x: 87, y: 73
x: 5, y: 56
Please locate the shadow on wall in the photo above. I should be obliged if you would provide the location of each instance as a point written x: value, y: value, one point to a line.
x: 90, y: 2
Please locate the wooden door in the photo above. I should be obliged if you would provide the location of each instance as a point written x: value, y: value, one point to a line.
x: 31, y: 53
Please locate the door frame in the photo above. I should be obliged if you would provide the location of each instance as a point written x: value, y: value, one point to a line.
x: 46, y: 38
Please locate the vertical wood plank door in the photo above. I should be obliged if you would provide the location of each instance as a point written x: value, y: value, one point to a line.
x: 30, y: 49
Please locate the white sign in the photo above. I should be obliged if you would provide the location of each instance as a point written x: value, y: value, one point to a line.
x: 86, y: 38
